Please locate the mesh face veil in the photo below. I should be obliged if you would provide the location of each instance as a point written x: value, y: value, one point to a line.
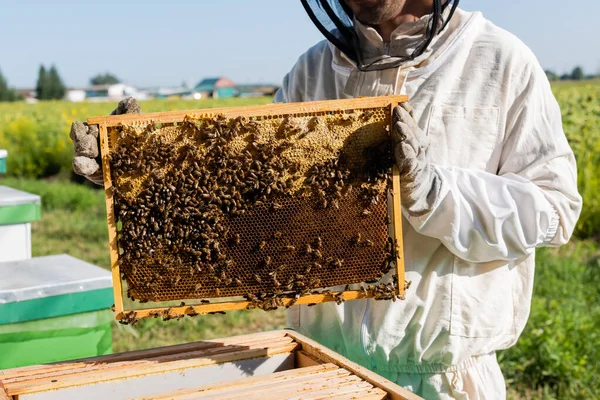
x: 335, y: 20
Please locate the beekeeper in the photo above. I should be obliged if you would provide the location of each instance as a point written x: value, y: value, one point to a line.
x: 487, y: 177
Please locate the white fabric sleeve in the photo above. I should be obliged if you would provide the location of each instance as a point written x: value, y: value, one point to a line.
x: 280, y: 95
x: 532, y: 201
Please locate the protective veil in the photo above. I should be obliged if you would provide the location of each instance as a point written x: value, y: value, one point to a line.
x: 508, y: 186
x: 336, y: 22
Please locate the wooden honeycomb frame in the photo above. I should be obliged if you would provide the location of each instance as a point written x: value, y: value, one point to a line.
x: 104, y: 123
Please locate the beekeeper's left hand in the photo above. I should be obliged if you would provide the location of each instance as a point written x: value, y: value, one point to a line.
x: 419, y: 182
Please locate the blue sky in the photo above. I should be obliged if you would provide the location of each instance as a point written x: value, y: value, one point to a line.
x: 148, y: 43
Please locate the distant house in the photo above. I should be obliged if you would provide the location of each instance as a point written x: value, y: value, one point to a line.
x: 112, y: 92
x: 216, y: 88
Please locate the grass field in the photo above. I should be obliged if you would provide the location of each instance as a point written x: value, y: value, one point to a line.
x: 558, y: 355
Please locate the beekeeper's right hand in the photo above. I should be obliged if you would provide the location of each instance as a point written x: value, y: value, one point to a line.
x: 86, y: 142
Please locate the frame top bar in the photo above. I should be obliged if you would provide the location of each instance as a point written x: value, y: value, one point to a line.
x: 248, y: 111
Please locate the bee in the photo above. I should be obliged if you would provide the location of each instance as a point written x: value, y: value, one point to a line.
x: 308, y: 249
x: 368, y: 243
x: 267, y: 261
x: 197, y: 287
x: 366, y: 212
x: 257, y: 278
x: 355, y: 239
x: 175, y: 280
x: 235, y: 239
x: 203, y: 301
x: 277, y: 235
x: 335, y: 204
x: 338, y: 298
x: 317, y: 254
x: 318, y: 242
x: 261, y: 245
x: 289, y: 248
x: 364, y: 291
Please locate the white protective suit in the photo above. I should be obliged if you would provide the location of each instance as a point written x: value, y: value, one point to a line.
x: 508, y: 186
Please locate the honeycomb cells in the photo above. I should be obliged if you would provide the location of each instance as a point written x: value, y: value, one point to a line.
x: 281, y: 205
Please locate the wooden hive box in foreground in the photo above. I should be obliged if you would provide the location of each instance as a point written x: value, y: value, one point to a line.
x: 252, y: 207
x: 263, y: 366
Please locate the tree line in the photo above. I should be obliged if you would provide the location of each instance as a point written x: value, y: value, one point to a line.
x: 49, y: 85
x: 576, y: 75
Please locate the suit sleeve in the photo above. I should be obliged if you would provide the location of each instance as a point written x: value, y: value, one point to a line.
x: 531, y: 202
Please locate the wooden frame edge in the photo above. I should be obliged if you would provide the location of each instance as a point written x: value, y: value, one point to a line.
x: 112, y: 227
x: 274, y: 109
x: 202, y: 309
x: 326, y: 355
x: 269, y: 109
x: 397, y: 222
x: 3, y: 392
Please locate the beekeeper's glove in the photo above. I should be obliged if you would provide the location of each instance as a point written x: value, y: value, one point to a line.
x: 419, y: 182
x: 86, y: 142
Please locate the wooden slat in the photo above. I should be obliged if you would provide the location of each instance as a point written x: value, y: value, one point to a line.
x: 112, y: 226
x: 131, y: 365
x: 261, y: 381
x: 286, y: 389
x: 303, y: 359
x: 4, y: 393
x: 34, y: 372
x: 247, y: 111
x: 242, y: 305
x: 268, y: 390
x: 332, y: 387
x: 398, y: 240
x: 394, y: 391
x: 373, y: 394
x: 151, y: 368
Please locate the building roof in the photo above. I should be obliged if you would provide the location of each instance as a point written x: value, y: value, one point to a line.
x: 210, y: 84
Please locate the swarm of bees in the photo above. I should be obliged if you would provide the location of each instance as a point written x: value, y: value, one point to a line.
x: 209, y: 208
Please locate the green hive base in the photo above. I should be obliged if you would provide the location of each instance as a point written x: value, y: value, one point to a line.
x: 56, y: 339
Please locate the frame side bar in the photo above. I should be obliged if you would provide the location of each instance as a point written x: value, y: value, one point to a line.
x: 398, y: 242
x: 249, y: 111
x: 112, y: 226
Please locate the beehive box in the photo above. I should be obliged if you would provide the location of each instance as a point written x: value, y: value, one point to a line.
x: 236, y: 208
x: 18, y: 210
x: 269, y: 365
x: 53, y: 308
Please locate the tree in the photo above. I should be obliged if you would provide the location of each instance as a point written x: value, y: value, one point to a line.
x: 577, y: 74
x: 57, y: 88
x: 49, y: 85
x: 104, y: 79
x: 6, y: 94
x: 41, y: 87
x: 551, y: 75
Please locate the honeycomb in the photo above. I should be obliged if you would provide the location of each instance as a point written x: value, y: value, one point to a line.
x: 261, y: 207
